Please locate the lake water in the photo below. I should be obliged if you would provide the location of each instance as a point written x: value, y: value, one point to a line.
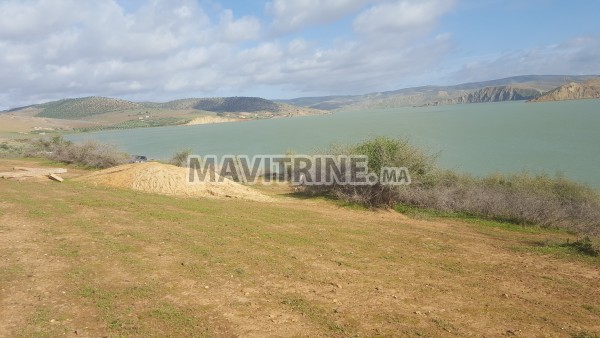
x: 476, y: 138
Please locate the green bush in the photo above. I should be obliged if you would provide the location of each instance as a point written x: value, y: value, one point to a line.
x: 382, y: 152
x: 522, y: 198
x: 180, y: 158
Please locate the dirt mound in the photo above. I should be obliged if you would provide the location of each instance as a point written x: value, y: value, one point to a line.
x: 169, y: 180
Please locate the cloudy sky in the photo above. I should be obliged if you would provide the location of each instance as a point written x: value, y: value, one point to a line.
x: 166, y: 49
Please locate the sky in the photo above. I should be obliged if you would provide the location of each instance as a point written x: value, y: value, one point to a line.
x: 159, y: 50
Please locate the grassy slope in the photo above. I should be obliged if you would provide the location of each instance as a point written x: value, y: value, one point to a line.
x: 83, y: 107
x: 106, y: 262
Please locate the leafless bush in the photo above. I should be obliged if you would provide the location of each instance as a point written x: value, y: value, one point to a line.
x: 88, y: 154
x: 519, y: 198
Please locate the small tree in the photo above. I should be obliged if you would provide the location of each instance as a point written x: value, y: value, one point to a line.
x: 180, y: 158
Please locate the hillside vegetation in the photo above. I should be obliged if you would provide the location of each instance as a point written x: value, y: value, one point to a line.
x: 83, y: 107
x: 91, y: 106
x: 226, y: 104
x: 158, y: 122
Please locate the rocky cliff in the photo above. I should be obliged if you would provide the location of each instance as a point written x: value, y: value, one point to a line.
x: 493, y: 94
x: 572, y: 91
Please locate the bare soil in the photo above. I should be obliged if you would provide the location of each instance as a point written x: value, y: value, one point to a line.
x: 79, y: 260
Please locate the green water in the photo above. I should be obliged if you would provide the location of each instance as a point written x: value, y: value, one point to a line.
x: 476, y: 138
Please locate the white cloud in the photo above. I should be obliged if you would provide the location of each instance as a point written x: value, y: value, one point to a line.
x: 245, y: 28
x: 27, y: 19
x: 171, y: 49
x: 401, y: 17
x: 294, y: 15
x: 577, y: 56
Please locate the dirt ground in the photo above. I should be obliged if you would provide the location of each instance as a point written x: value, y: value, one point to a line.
x: 84, y: 261
x: 27, y: 122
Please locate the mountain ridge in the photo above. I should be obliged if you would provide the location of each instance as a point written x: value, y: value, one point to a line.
x: 524, y: 87
x: 432, y: 95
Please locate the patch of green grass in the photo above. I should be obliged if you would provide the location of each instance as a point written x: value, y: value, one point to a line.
x: 559, y: 249
x: 195, y: 269
x: 11, y: 272
x: 444, y: 325
x: 172, y: 314
x: 140, y: 291
x: 424, y: 213
x: 67, y: 250
x: 44, y: 322
x: 137, y: 123
x: 103, y: 299
x: 97, y: 202
x: 114, y: 308
x: 585, y: 246
x: 178, y: 321
x: 239, y: 272
x: 79, y: 273
x: 49, y: 209
x: 452, y: 267
x: 314, y: 313
x: 165, y: 214
x: 42, y: 315
x: 329, y: 199
x: 140, y: 236
x: 592, y: 308
x: 351, y: 205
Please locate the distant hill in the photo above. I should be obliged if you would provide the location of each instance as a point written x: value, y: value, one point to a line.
x: 572, y: 91
x: 102, y: 113
x: 507, y: 89
x: 226, y: 105
x: 83, y: 107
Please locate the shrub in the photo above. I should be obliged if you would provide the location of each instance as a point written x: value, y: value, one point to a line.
x: 15, y: 148
x: 382, y: 152
x: 88, y: 154
x: 519, y: 198
x: 180, y: 158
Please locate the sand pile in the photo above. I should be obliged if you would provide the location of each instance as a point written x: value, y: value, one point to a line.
x: 169, y: 180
